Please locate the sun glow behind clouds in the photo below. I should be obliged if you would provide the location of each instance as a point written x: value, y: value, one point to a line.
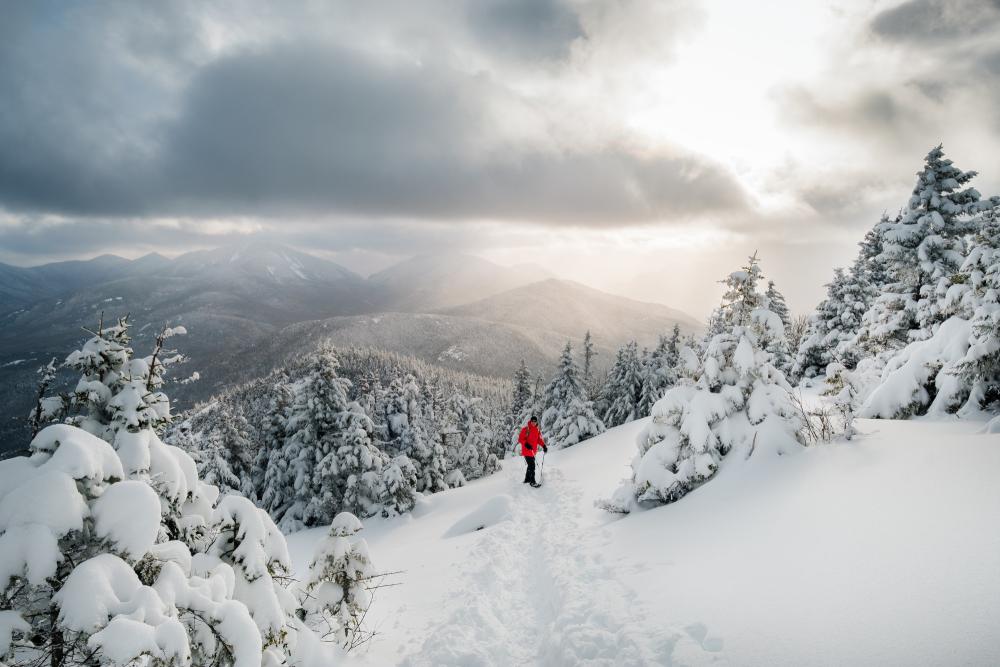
x: 716, y: 97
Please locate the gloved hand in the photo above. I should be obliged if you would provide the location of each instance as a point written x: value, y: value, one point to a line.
x: 545, y: 449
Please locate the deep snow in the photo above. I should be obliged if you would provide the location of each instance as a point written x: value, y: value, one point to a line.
x: 884, y: 550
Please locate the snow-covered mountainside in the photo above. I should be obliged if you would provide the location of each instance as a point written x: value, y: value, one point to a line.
x: 254, y: 305
x: 434, y: 281
x: 568, y: 307
x: 878, y: 551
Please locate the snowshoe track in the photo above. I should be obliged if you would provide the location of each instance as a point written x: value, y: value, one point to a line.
x: 531, y: 594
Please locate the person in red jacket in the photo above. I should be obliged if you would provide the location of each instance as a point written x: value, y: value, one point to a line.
x: 531, y: 439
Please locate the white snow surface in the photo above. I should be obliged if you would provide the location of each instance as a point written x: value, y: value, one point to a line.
x: 882, y: 550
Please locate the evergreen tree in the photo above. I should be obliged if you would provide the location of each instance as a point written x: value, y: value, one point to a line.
x: 268, y: 472
x: 955, y: 369
x: 832, y: 329
x: 588, y: 365
x: 337, y: 592
x: 568, y: 416
x: 979, y: 369
x: 360, y: 463
x: 776, y: 304
x: 522, y: 405
x: 736, y: 399
x: 121, y: 523
x: 623, y: 387
x: 225, y: 458
x: 922, y: 249
x: 271, y: 465
x: 310, y: 452
x: 659, y: 371
x: 399, y: 480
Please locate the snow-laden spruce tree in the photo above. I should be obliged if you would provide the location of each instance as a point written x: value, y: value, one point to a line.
x: 568, y: 417
x: 659, y: 371
x: 360, y: 463
x: 979, y: 369
x: 87, y: 572
x: 782, y: 356
x: 922, y: 249
x: 589, y: 354
x: 399, y: 481
x: 309, y: 455
x: 336, y: 596
x: 955, y: 369
x: 112, y: 551
x: 408, y: 429
x: 224, y: 457
x: 622, y: 390
x: 268, y: 473
x: 522, y: 405
x: 833, y: 328
x: 733, y: 400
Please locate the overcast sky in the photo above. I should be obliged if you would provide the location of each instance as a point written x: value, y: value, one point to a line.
x: 644, y: 147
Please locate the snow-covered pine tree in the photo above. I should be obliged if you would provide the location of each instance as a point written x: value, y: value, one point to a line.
x: 979, y: 370
x: 568, y: 417
x: 399, y: 480
x: 589, y: 353
x: 47, y: 408
x: 424, y: 451
x: 336, y: 595
x: 716, y: 326
x: 659, y: 371
x: 309, y: 456
x: 735, y: 400
x: 114, y: 552
x: 776, y: 304
x: 922, y: 249
x: 268, y: 472
x: 623, y: 388
x: 246, y: 539
x: 833, y: 327
x: 360, y: 463
x: 224, y: 458
x: 955, y: 369
x: 521, y: 405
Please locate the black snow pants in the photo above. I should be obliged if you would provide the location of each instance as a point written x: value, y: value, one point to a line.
x: 529, y: 474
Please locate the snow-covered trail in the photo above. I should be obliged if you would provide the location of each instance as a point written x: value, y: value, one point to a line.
x: 535, y: 590
x: 879, y: 551
x: 499, y: 573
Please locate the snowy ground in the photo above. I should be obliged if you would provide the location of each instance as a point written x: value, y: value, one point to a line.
x: 885, y: 550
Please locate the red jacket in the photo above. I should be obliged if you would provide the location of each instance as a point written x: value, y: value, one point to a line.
x: 530, y: 439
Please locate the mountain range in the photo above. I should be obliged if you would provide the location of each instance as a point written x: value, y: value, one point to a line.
x: 253, y: 307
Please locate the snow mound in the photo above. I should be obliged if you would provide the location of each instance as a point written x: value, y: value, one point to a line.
x: 490, y: 513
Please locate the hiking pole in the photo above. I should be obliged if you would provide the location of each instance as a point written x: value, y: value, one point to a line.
x: 541, y: 465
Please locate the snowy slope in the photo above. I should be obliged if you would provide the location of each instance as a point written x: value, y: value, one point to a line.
x: 880, y: 551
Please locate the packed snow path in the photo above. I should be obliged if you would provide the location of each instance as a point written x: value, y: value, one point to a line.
x: 879, y: 551
x: 524, y: 580
x: 531, y: 592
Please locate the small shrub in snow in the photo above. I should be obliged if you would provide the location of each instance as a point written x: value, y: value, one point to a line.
x: 336, y: 595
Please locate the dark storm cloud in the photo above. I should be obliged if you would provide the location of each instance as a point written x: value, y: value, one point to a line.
x: 525, y: 29
x: 80, y: 93
x: 920, y: 21
x: 283, y: 129
x: 326, y: 127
